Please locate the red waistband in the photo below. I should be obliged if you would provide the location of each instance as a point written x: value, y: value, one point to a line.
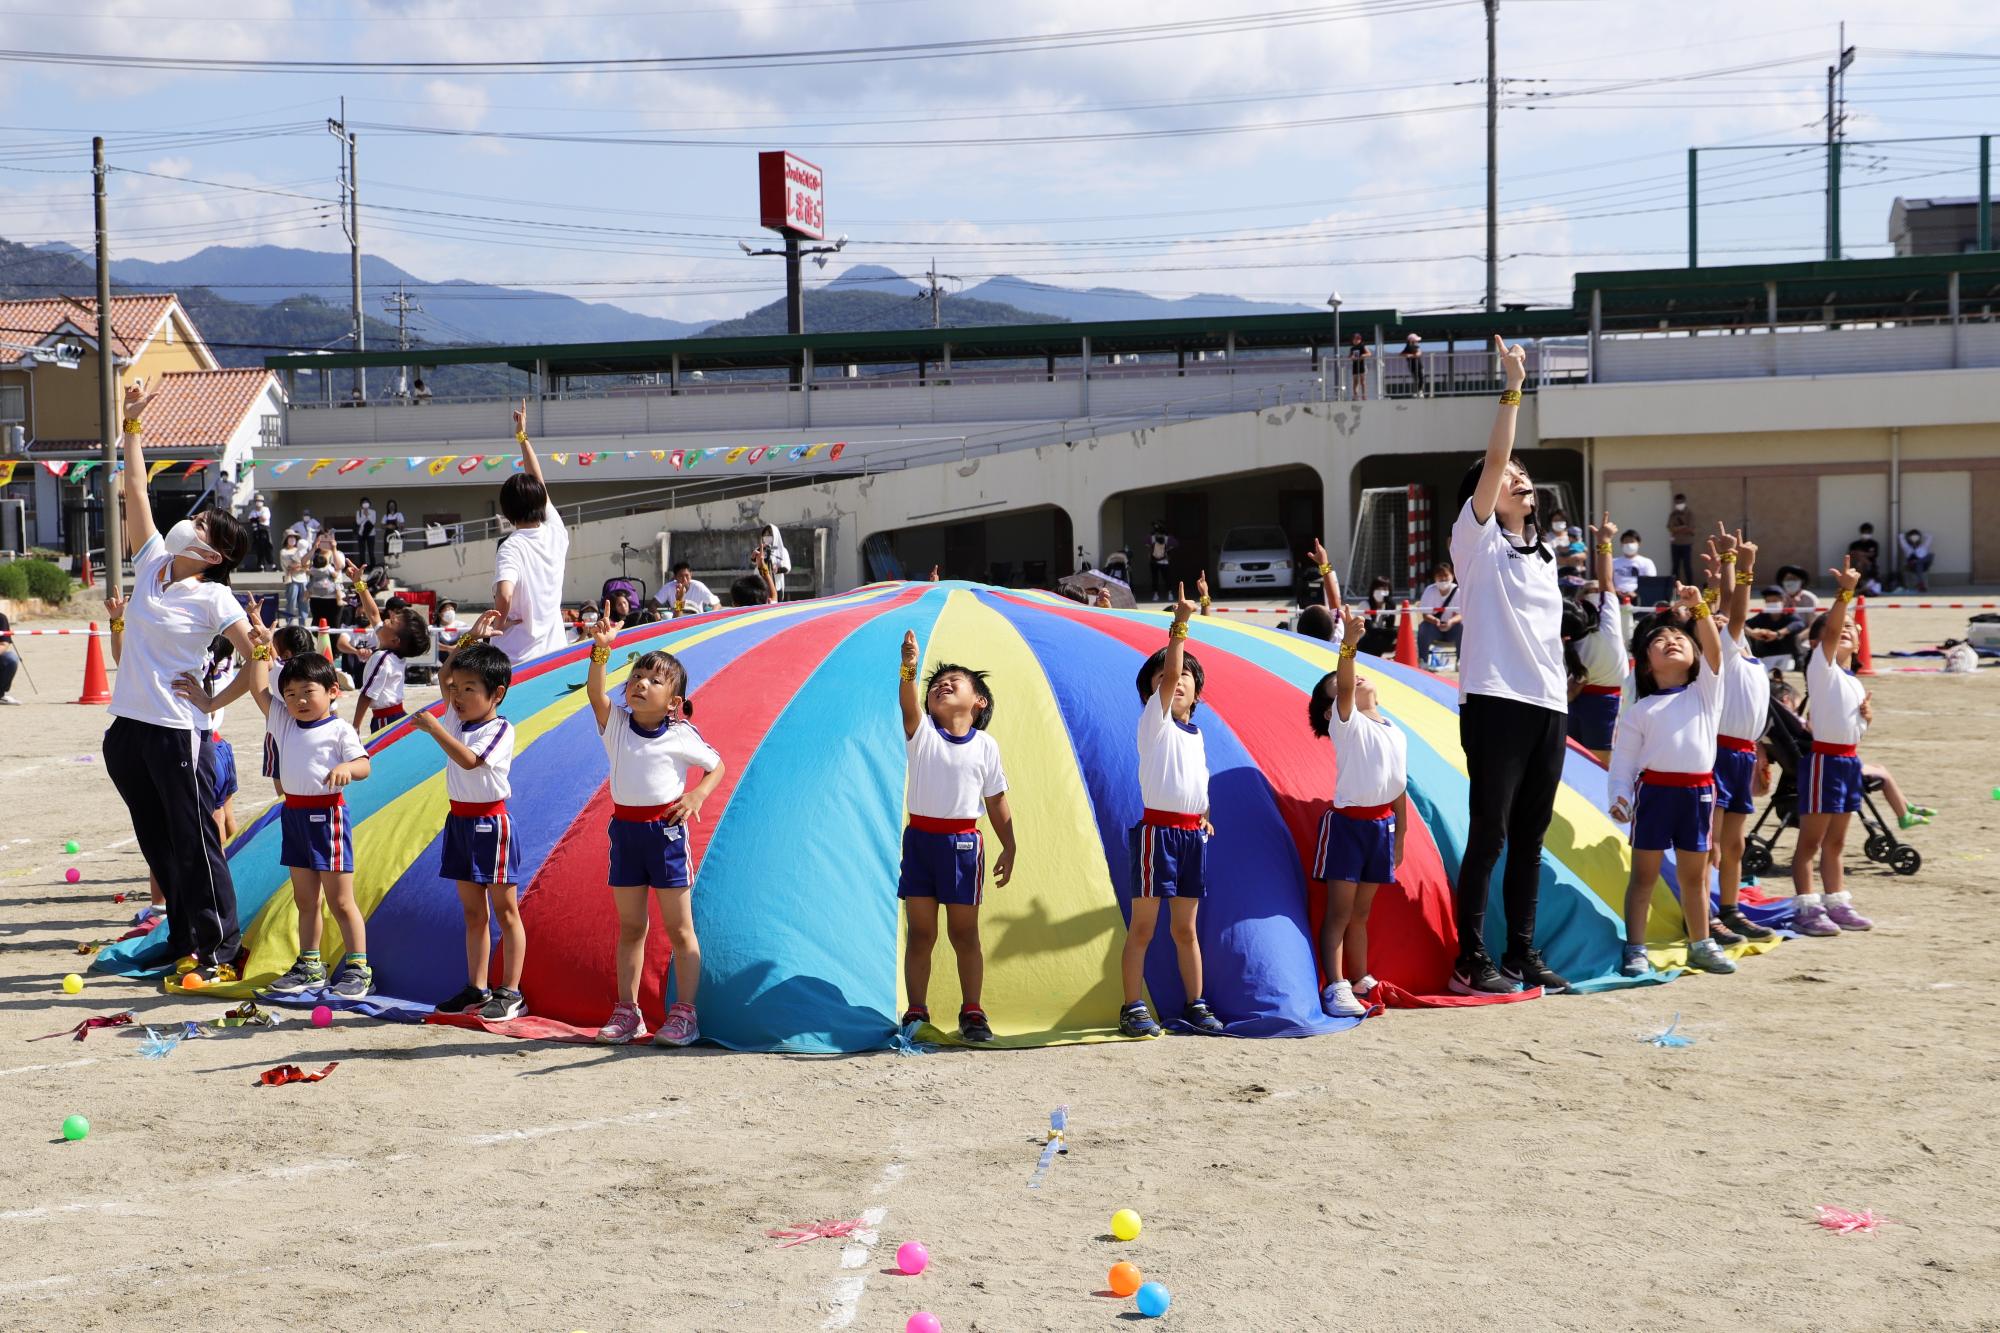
x: 926, y: 824
x: 1655, y: 778
x: 1735, y: 743
x: 388, y: 714
x: 331, y: 798
x: 638, y: 814
x: 474, y: 809
x: 1365, y: 811
x: 1830, y: 747
x: 1170, y: 819
x: 1604, y: 689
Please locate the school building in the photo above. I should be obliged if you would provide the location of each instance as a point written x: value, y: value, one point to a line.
x: 1799, y: 400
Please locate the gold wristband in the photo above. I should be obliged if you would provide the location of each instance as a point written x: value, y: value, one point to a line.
x: 1347, y: 651
x: 909, y: 672
x: 1510, y: 398
x: 1325, y: 568
x: 118, y: 625
x: 1205, y: 603
x: 1701, y: 611
x: 600, y: 654
x: 1711, y: 597
x: 1844, y: 595
x: 132, y: 426
x: 259, y: 652
x: 520, y: 437
x: 1744, y: 579
x: 1604, y: 548
x: 1177, y: 630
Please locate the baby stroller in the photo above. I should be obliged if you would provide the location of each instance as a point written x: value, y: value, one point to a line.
x: 1789, y: 742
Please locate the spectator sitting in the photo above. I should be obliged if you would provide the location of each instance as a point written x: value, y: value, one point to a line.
x: 1776, y: 630
x: 1442, y: 622
x: 1380, y: 638
x: 1628, y: 566
x: 1795, y: 583
x: 1866, y: 553
x: 1917, y: 559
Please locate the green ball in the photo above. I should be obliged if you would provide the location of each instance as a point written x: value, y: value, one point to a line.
x: 75, y: 1127
x: 72, y: 847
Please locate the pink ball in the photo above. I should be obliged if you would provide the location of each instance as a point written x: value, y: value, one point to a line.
x: 72, y: 874
x: 923, y: 1321
x: 322, y: 1016
x: 912, y: 1258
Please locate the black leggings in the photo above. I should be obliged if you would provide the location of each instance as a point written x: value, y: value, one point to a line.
x: 157, y: 771
x: 1514, y: 757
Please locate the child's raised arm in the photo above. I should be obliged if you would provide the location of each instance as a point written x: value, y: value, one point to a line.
x: 1201, y: 591
x: 1356, y: 625
x: 1746, y: 575
x: 1704, y: 633
x: 369, y: 611
x: 529, y: 463
x: 1848, y: 577
x: 1002, y: 815
x: 600, y: 653
x: 456, y: 750
x: 1329, y: 581
x: 906, y: 693
x: 1170, y: 673
x: 1601, y: 546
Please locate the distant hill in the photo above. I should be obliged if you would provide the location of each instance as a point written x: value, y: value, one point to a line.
x: 875, y: 278
x: 833, y: 309
x: 1102, y: 303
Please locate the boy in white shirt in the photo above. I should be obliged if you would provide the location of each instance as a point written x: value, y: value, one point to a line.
x: 528, y: 569
x: 688, y: 595
x: 651, y: 747
x: 1830, y: 788
x: 1629, y: 567
x: 1169, y: 844
x: 954, y: 768
x: 1746, y: 711
x: 481, y: 852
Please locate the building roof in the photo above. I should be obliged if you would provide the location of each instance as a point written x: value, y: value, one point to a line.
x: 194, y: 409
x: 135, y: 320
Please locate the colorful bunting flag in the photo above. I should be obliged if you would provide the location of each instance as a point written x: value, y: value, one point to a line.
x: 350, y: 465
x: 79, y: 471
x: 56, y: 469
x: 196, y: 466
x: 414, y: 463
x: 439, y: 464
x: 678, y: 457
x: 280, y: 469
x: 376, y: 466
x: 735, y: 455
x: 468, y: 463
x: 495, y: 460
x: 314, y: 470
x: 585, y: 460
x: 695, y: 456
x: 7, y: 472
x: 757, y: 454
x: 659, y: 455
x: 248, y: 464
x: 837, y: 451
x: 813, y: 452
x: 798, y: 452
x: 560, y: 458
x: 153, y: 471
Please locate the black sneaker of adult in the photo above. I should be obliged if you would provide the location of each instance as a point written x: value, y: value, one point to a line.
x: 1529, y: 970
x: 1477, y: 976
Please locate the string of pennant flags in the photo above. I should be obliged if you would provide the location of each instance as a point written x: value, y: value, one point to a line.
x: 681, y: 460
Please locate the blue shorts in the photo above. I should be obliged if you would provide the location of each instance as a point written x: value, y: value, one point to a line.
x: 950, y: 867
x: 1355, y: 851
x: 1668, y: 818
x: 380, y: 719
x: 218, y: 772
x: 1592, y: 719
x: 480, y: 849
x: 653, y: 854
x: 1735, y: 777
x: 316, y: 837
x: 1168, y: 862
x: 1830, y: 785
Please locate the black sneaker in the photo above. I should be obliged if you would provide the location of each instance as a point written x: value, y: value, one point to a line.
x: 1477, y: 976
x: 1529, y: 970
x: 1732, y: 917
x: 1199, y: 1016
x: 351, y: 981
x: 504, y: 1004
x: 1134, y: 1020
x: 972, y: 1024
x: 1723, y: 935
x: 466, y: 1001
x: 915, y: 1016
x: 304, y: 976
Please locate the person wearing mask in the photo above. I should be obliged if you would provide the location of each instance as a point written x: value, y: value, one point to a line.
x: 1572, y: 559
x: 1680, y: 539
x: 260, y: 535
x: 1413, y: 357
x: 10, y: 662
x: 1439, y: 602
x: 1775, y: 630
x: 1866, y: 553
x: 307, y: 529
x: 1628, y: 566
x: 293, y: 558
x: 1380, y: 638
x: 1917, y: 559
x: 1159, y: 553
x: 323, y: 585
x: 1792, y: 581
x: 392, y: 515
x: 364, y: 531
x: 447, y: 630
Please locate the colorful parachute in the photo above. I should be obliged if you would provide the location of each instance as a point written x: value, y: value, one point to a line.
x: 797, y: 851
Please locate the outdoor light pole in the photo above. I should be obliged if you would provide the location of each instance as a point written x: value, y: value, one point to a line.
x: 795, y: 292
x: 1334, y: 301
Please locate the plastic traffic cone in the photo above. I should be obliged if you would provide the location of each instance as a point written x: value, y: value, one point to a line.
x: 325, y: 643
x: 96, y: 685
x: 88, y: 575
x: 1864, y: 655
x: 1406, y: 637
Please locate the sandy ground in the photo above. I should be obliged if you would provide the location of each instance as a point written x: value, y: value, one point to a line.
x: 1534, y: 1164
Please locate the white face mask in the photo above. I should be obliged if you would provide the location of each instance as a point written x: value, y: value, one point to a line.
x: 1774, y: 608
x: 1631, y: 548
x: 183, y: 538
x: 448, y: 618
x: 1558, y: 527
x: 1680, y: 506
x: 1792, y: 585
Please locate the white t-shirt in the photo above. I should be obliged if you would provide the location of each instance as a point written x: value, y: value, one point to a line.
x: 697, y: 599
x: 308, y: 530
x: 1173, y: 762
x: 493, y: 741
x: 292, y: 560
x: 1834, y: 702
x: 1603, y: 651
x: 1627, y: 570
x: 364, y: 517
x: 308, y: 751
x: 533, y: 560
x: 1371, y: 759
x: 1512, y: 646
x: 1746, y: 691
x: 651, y: 767
x: 1440, y: 595
x: 382, y: 681
x: 951, y: 777
x: 1672, y: 731
x: 167, y: 632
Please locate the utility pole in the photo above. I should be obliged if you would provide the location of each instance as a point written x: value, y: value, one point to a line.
x: 1492, y: 157
x: 107, y: 388
x: 934, y: 292
x: 1836, y: 120
x: 351, y: 188
x: 402, y: 305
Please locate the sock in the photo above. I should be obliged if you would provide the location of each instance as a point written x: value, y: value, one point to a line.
x: 357, y: 959
x: 1843, y: 897
x: 310, y: 956
x: 1809, y: 900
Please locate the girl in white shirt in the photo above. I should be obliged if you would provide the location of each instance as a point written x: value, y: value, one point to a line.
x: 1595, y: 638
x: 1662, y: 778
x: 1746, y: 711
x: 1830, y: 788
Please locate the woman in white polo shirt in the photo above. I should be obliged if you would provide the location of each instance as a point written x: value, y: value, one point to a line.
x: 180, y: 600
x: 1513, y: 701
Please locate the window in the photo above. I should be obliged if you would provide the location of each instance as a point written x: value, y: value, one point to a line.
x: 13, y: 403
x: 270, y: 431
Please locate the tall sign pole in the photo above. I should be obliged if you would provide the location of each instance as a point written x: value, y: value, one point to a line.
x: 107, y: 388
x: 1492, y: 157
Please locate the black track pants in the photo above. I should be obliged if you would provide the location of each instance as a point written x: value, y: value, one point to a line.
x: 1514, y: 757
x: 157, y: 772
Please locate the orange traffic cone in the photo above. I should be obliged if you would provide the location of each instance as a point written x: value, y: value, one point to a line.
x: 325, y: 640
x: 1406, y: 637
x: 96, y: 685
x: 89, y: 577
x: 1864, y: 655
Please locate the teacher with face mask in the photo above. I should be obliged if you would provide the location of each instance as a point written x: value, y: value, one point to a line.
x: 179, y: 601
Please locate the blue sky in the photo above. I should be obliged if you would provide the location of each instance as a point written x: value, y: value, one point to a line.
x: 1604, y: 98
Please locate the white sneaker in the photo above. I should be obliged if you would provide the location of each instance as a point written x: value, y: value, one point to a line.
x: 1364, y: 986
x: 1707, y: 956
x: 1338, y: 1001
x: 10, y: 699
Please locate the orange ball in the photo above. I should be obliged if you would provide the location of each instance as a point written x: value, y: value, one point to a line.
x: 1124, y: 1279
x: 193, y: 981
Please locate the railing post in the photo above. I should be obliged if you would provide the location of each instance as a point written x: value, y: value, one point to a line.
x: 541, y: 397
x: 1084, y: 390
x: 1596, y: 333
x: 1771, y: 318
x: 1952, y: 312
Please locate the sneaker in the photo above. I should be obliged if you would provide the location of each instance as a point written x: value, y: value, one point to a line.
x: 306, y: 974
x: 1134, y: 1020
x: 9, y: 699
x: 972, y: 1024
x: 1843, y: 915
x: 206, y: 975
x: 1477, y: 976
x: 1530, y: 970
x: 915, y: 1016
x: 467, y: 1001
x: 1811, y: 919
x: 1337, y: 1001
x: 1722, y: 934
x: 1707, y: 956
x: 679, y: 1029
x: 1732, y: 917
x: 1198, y: 1015
x: 502, y: 1005
x: 624, y: 1025
x: 1365, y: 986
x: 1923, y: 810
x: 1634, y: 962
x: 352, y: 981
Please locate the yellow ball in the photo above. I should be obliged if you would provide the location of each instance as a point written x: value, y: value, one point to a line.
x: 72, y: 984
x: 1125, y: 1224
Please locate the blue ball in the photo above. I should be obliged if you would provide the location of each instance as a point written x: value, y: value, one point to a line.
x: 1154, y: 1298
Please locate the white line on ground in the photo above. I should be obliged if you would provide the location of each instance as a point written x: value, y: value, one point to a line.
x: 67, y: 1064
x: 541, y: 1131
x: 181, y: 1273
x: 844, y: 1294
